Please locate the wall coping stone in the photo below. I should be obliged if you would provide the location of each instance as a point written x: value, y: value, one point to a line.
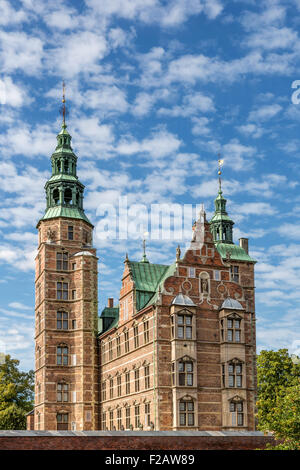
x: 11, y: 433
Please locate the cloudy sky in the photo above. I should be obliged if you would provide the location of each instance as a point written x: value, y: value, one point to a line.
x: 155, y: 90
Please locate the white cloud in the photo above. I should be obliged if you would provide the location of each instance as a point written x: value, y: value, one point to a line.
x: 19, y: 51
x: 192, y: 104
x: 160, y: 144
x: 264, y: 113
x: 78, y: 52
x: 290, y: 230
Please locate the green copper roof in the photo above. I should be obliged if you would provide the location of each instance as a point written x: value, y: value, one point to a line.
x: 237, y: 253
x: 62, y: 211
x: 64, y: 192
x: 169, y: 272
x: 146, y: 277
x: 109, y: 319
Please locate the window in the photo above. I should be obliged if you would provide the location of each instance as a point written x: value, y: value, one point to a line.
x: 38, y: 322
x: 62, y: 291
x: 62, y: 320
x: 234, y: 270
x: 62, y: 420
x: 39, y: 357
x: 103, y: 391
x: 38, y: 293
x: 126, y: 341
x: 128, y: 418
x: 217, y: 275
x: 146, y: 331
x: 237, y: 413
x: 85, y: 237
x: 186, y: 413
x: 73, y: 294
x: 147, y: 414
x: 61, y: 261
x: 137, y: 415
x: 234, y: 330
x: 39, y: 264
x: 184, y: 326
x: 118, y: 339
x: 73, y: 266
x: 127, y: 382
x: 119, y: 387
x: 125, y: 309
x: 70, y: 232
x: 111, y: 388
x: 192, y: 272
x: 185, y: 370
x: 119, y: 419
x: 62, y: 355
x: 110, y: 350
x: 235, y: 377
x: 38, y: 420
x: 136, y: 336
x: 137, y: 380
x: 62, y: 392
x: 147, y: 377
x: 173, y: 373
x: 111, y: 420
x: 74, y: 325
x: 103, y: 425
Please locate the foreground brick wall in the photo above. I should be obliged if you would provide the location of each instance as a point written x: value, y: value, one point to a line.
x: 115, y: 440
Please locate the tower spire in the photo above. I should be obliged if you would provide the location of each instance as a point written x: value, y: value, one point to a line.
x: 64, y: 104
x: 144, y: 259
x: 221, y: 224
x: 220, y: 164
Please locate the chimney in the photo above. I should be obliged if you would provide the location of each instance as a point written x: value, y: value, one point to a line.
x: 110, y: 302
x: 244, y: 243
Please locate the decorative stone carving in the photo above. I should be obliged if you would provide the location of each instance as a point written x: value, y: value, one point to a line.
x: 51, y: 235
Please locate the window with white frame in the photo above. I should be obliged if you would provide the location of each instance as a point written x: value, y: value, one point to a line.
x: 237, y: 413
x: 186, y: 413
x: 235, y: 377
x: 185, y: 373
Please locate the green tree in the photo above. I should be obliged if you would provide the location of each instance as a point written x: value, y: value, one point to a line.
x: 278, y: 402
x: 16, y: 394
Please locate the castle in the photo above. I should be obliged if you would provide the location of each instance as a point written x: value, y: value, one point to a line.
x: 178, y: 351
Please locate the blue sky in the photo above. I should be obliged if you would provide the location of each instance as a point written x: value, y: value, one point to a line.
x: 155, y: 89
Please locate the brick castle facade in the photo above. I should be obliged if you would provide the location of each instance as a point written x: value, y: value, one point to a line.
x: 176, y: 353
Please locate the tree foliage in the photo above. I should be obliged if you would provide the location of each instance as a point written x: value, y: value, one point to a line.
x: 278, y: 405
x: 16, y: 394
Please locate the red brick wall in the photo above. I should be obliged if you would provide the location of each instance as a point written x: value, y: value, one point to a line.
x: 115, y: 441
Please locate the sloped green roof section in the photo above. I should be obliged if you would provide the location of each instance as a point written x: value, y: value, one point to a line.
x: 169, y: 272
x: 147, y: 277
x: 63, y: 177
x: 237, y: 253
x: 63, y: 211
x: 109, y: 319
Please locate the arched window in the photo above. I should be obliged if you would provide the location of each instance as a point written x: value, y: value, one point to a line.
x: 186, y: 412
x: 68, y: 196
x: 56, y: 196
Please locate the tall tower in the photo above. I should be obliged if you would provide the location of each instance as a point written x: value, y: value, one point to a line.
x: 66, y: 312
